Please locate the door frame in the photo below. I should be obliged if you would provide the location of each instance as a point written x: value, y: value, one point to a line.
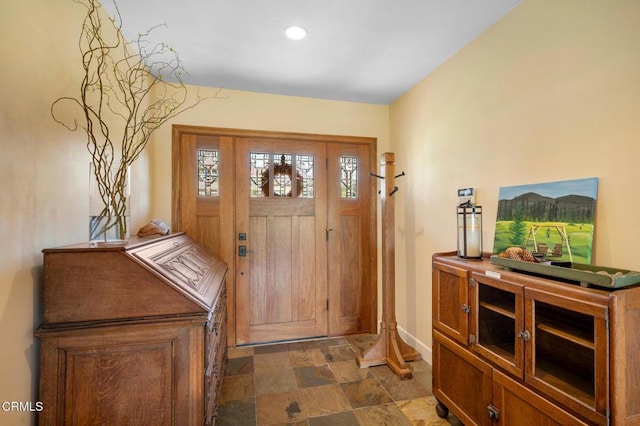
x: 179, y: 130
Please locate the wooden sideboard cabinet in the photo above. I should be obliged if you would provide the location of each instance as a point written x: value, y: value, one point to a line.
x: 511, y: 348
x: 132, y: 334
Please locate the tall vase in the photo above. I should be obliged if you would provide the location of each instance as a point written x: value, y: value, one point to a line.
x: 109, y: 204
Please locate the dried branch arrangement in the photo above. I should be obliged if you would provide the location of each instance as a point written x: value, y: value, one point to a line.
x: 127, y: 92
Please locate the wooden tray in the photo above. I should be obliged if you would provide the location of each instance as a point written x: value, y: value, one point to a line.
x: 585, y: 275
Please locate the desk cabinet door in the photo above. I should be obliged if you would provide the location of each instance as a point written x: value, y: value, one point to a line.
x: 122, y: 376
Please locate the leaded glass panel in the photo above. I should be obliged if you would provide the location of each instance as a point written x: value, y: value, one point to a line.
x: 349, y: 177
x: 282, y: 179
x: 208, y: 168
x: 305, y: 174
x: 281, y: 175
x: 259, y: 174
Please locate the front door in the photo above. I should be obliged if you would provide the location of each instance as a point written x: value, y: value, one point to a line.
x: 281, y: 278
x: 294, y: 217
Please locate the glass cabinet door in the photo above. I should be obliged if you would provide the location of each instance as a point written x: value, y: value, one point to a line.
x: 567, y: 353
x: 497, y: 331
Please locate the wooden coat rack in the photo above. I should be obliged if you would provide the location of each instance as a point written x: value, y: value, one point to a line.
x: 389, y: 348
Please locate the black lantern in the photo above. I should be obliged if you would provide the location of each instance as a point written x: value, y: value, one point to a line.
x: 469, y: 231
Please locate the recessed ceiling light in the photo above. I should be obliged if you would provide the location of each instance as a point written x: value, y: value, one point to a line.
x: 295, y: 32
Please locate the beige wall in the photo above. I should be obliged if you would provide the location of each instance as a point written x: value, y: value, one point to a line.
x: 44, y: 168
x: 551, y: 92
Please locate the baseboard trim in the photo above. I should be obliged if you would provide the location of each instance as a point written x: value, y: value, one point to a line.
x: 417, y: 344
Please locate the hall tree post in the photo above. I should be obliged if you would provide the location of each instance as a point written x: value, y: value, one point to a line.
x: 389, y: 348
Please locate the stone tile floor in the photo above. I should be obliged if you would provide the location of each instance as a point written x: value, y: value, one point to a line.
x: 317, y: 382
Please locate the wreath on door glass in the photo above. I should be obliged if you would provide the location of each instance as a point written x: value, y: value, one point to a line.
x: 279, y: 170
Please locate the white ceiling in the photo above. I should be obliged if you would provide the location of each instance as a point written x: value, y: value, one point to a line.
x: 369, y: 51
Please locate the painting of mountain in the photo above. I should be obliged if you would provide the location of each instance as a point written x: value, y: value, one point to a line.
x: 554, y: 219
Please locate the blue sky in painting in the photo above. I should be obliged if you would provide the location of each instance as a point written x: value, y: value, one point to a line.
x: 586, y: 187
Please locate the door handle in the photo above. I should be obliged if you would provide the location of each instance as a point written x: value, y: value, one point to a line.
x: 327, y: 231
x: 242, y: 251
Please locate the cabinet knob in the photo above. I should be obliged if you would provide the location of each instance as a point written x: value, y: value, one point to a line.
x: 524, y: 335
x: 466, y: 309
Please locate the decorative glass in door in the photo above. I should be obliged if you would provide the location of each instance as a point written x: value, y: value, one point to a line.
x: 283, y: 175
x: 208, y: 172
x: 349, y: 177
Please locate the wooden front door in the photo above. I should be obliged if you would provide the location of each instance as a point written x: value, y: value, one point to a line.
x: 281, y: 278
x: 293, y: 217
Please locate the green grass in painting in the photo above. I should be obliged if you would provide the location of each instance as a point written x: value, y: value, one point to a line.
x: 580, y: 239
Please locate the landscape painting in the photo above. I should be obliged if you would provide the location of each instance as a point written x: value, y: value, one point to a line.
x: 554, y: 220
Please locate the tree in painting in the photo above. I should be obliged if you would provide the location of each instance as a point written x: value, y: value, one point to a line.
x: 517, y: 228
